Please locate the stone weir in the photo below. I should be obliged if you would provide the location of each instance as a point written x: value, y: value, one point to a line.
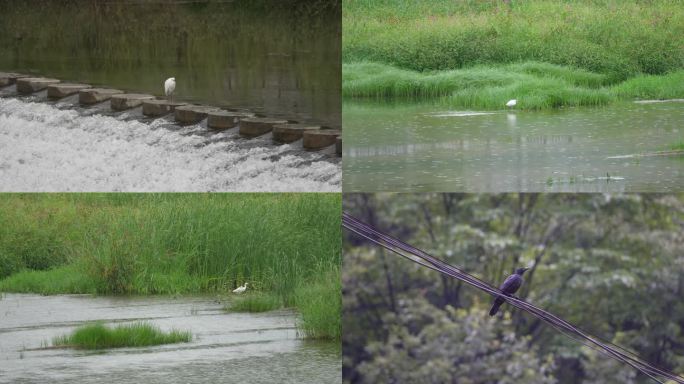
x: 246, y: 124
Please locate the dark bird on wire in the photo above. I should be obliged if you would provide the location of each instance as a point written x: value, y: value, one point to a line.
x: 509, y: 287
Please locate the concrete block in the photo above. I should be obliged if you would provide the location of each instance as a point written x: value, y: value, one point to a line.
x: 96, y: 95
x: 60, y: 90
x: 287, y: 133
x: 190, y: 114
x: 226, y: 119
x: 123, y: 101
x: 9, y: 78
x: 159, y: 107
x: 321, y: 138
x: 257, y: 126
x: 27, y: 85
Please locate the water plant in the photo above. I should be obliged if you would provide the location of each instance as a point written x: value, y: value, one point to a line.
x: 139, y: 334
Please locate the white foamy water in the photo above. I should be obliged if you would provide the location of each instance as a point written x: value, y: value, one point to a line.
x: 43, y: 148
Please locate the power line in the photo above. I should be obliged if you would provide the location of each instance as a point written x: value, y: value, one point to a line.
x: 420, y: 257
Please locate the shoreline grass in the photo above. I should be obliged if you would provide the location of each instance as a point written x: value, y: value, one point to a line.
x: 534, y: 85
x: 140, y: 334
x: 169, y: 244
x: 255, y: 302
x: 318, y: 303
x: 546, y: 53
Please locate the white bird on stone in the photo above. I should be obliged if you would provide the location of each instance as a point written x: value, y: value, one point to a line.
x: 169, y: 86
x: 240, y: 289
x: 511, y: 103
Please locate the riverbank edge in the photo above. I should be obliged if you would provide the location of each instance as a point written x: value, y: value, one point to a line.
x: 534, y: 85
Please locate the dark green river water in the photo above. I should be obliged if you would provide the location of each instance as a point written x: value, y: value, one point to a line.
x: 281, y: 58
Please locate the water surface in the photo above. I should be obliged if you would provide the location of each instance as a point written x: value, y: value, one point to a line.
x: 424, y: 147
x: 281, y: 58
x: 226, y: 347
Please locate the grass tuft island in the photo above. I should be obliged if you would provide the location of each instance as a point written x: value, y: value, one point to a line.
x: 99, y: 336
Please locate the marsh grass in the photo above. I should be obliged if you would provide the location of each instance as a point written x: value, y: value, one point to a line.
x: 615, y: 38
x: 649, y: 87
x: 318, y: 305
x: 255, y: 302
x: 172, y: 243
x: 64, y: 279
x: 545, y: 54
x: 140, y: 334
x: 534, y: 85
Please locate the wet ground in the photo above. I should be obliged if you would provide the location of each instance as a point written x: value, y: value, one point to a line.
x: 226, y: 347
x: 414, y: 147
x: 61, y: 146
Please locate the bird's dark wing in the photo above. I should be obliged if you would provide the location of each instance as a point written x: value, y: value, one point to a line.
x: 511, y: 284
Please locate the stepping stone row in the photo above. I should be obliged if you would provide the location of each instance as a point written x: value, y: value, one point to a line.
x: 250, y: 126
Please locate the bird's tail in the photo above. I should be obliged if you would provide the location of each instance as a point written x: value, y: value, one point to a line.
x: 497, y: 303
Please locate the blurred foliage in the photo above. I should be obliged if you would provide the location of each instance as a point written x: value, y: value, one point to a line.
x: 610, y: 264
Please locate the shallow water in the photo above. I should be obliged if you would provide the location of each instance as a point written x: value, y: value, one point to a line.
x: 278, y: 58
x: 47, y: 146
x: 422, y: 147
x: 226, y: 347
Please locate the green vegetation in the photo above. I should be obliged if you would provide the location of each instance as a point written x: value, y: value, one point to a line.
x: 612, y: 265
x: 255, y: 302
x: 483, y: 53
x: 98, y: 336
x: 534, y: 85
x: 282, y: 244
x: 319, y: 305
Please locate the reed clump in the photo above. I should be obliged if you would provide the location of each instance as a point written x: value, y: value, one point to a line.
x: 139, y: 334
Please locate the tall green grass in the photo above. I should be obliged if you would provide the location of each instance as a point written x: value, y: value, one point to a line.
x: 169, y: 243
x: 534, y: 85
x: 616, y: 38
x: 255, y: 302
x: 318, y: 305
x: 140, y: 334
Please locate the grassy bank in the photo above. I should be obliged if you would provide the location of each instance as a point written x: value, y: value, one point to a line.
x: 319, y: 304
x: 98, y: 336
x: 543, y: 53
x: 169, y: 243
x: 534, y: 85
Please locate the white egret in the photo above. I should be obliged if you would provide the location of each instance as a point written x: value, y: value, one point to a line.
x: 511, y: 103
x: 240, y: 289
x: 169, y: 86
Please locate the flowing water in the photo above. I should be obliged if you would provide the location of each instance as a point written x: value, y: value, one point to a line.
x: 424, y: 147
x: 226, y: 347
x: 46, y: 146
